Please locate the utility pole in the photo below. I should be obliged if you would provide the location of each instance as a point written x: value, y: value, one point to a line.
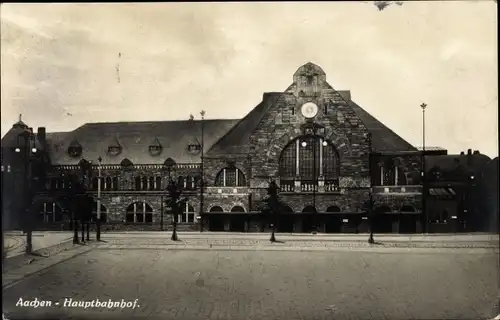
x: 425, y: 219
x: 98, y: 221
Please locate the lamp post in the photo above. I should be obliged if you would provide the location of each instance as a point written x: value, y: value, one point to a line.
x: 423, y: 106
x: 169, y: 164
x: 370, y: 194
x: 74, y: 193
x: 98, y: 218
x: 202, y: 178
x: 29, y: 149
x: 272, y: 191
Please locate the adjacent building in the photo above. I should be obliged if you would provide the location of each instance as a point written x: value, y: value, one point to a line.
x: 326, y: 153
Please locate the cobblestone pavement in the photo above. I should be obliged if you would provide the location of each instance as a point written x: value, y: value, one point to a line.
x: 186, y: 284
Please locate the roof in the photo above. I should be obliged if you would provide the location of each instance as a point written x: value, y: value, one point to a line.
x: 134, y: 139
x: 383, y: 138
x: 236, y: 140
x: 431, y: 148
x: 448, y: 163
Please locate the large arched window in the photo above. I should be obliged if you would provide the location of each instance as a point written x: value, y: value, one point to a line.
x: 50, y: 212
x: 139, y: 212
x: 309, y: 157
x: 230, y: 177
x: 187, y: 215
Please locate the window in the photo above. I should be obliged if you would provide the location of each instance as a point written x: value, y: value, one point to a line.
x: 114, y: 150
x: 144, y: 185
x: 115, y: 183
x: 308, y: 158
x: 230, y: 177
x: 138, y: 183
x: 107, y: 183
x: 139, y: 212
x: 190, y: 183
x: 50, y: 212
x: 181, y: 181
x: 155, y: 150
x: 151, y: 185
x: 391, y: 175
x: 158, y: 183
x: 187, y: 215
x: 325, y: 109
x: 292, y: 110
x: 74, y: 151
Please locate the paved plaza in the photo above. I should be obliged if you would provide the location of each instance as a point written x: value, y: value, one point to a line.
x: 252, y: 284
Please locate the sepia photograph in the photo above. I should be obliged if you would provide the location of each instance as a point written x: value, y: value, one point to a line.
x: 250, y: 160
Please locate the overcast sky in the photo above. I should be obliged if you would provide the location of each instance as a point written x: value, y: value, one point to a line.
x: 63, y: 65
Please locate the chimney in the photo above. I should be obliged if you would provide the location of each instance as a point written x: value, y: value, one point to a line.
x: 41, y: 135
x: 462, y: 153
x: 476, y: 152
x: 469, y: 152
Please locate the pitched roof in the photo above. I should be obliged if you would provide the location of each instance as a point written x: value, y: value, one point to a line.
x: 447, y: 163
x: 383, y: 138
x: 134, y: 138
x: 236, y: 140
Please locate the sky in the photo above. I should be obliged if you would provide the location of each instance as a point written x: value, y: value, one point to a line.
x: 63, y: 65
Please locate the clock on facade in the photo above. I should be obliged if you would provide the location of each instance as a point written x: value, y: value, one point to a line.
x: 309, y: 109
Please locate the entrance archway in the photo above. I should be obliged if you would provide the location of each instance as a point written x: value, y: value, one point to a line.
x: 237, y: 223
x: 285, y: 219
x: 408, y: 219
x: 333, y: 223
x: 308, y: 214
x: 216, y: 221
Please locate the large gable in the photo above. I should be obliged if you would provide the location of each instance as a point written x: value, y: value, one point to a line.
x: 237, y: 140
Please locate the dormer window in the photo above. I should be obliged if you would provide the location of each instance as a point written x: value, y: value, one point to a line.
x: 114, y: 150
x: 74, y: 149
x: 155, y: 147
x: 194, y: 147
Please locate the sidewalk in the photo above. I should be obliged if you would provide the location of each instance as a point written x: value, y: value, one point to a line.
x: 308, y: 237
x: 15, y: 243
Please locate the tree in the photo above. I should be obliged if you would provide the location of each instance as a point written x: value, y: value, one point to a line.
x: 369, y: 206
x: 175, y: 204
x: 272, y: 205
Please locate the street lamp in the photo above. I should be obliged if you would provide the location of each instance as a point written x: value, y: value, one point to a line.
x: 98, y: 218
x: 202, y: 172
x: 370, y: 194
x: 423, y: 106
x: 29, y: 149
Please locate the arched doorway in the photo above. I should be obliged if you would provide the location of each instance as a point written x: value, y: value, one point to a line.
x: 308, y: 215
x: 382, y: 220
x: 285, y: 219
x: 333, y: 223
x: 238, y: 219
x: 216, y: 219
x: 408, y: 219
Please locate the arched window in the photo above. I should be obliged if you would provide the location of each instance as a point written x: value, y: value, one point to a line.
x: 115, y: 183
x: 104, y: 212
x: 237, y: 209
x: 108, y: 183
x: 187, y: 215
x: 309, y: 158
x: 151, y: 183
x: 94, y: 183
x: 139, y: 212
x: 138, y: 183
x: 286, y: 209
x: 50, y: 212
x: 144, y: 185
x: 230, y: 177
x: 158, y: 183
x: 190, y: 183
x: 181, y: 181
x: 216, y: 209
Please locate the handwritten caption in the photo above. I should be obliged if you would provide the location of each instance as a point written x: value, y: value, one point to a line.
x: 84, y: 304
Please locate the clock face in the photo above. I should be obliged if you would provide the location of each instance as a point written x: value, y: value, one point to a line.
x: 309, y: 109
